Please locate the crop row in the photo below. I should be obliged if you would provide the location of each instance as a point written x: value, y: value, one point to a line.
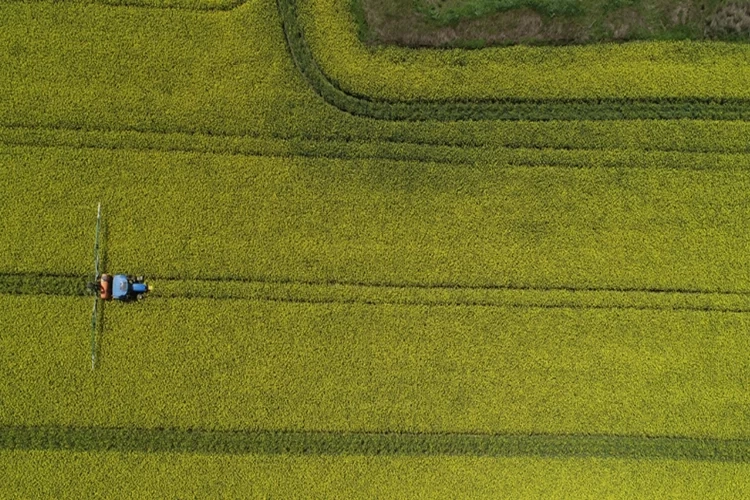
x: 323, y: 293
x: 377, y: 222
x: 207, y: 364
x: 200, y: 5
x: 144, y: 475
x: 660, y: 79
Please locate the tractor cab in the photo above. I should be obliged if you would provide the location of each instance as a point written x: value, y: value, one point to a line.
x: 122, y: 287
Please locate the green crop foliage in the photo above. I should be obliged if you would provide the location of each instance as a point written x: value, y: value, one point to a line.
x: 123, y: 475
x: 154, y: 70
x: 247, y: 364
x: 191, y: 440
x: 380, y: 222
x: 649, y: 73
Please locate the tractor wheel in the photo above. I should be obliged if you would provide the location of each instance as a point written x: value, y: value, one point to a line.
x: 139, y: 296
x: 139, y: 279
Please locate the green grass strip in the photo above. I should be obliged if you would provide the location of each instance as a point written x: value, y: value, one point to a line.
x: 500, y: 109
x: 361, y: 443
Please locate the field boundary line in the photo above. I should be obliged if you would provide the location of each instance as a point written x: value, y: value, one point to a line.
x: 271, y: 442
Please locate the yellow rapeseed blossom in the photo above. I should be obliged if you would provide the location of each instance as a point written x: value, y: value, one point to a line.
x: 631, y: 70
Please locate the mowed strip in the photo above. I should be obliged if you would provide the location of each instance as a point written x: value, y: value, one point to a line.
x: 124, y: 475
x: 207, y: 364
x: 172, y: 440
x: 375, y: 222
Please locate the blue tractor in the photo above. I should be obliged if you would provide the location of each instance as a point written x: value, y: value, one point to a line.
x: 119, y: 286
x: 122, y: 287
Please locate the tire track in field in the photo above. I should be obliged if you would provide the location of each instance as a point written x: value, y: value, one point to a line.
x: 366, y: 443
x: 422, y: 294
x: 510, y: 109
x: 392, y: 150
x: 415, y: 294
x: 23, y: 134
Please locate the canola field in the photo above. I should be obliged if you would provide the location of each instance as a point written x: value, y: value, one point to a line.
x: 377, y: 273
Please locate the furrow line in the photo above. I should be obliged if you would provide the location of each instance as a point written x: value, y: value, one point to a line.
x: 396, y: 152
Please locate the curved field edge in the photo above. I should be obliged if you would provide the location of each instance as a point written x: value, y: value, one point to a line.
x: 720, y: 108
x: 417, y: 295
x: 628, y: 70
x: 367, y: 443
x: 32, y: 474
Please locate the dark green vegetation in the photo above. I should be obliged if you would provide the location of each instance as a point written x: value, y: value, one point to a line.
x: 479, y: 23
x: 361, y: 443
